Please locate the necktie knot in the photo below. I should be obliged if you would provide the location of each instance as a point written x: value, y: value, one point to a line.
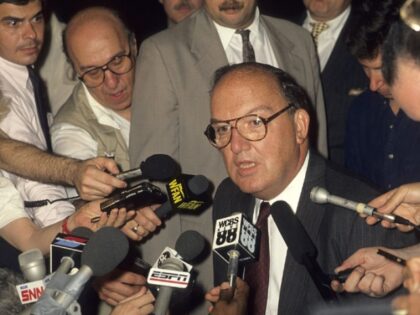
x: 248, y: 53
x: 317, y: 29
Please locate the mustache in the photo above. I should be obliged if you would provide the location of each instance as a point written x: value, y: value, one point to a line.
x: 231, y: 5
x: 31, y: 44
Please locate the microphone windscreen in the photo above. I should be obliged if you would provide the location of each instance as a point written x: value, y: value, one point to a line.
x: 32, y: 264
x: 198, y: 184
x: 105, y: 250
x: 190, y: 244
x: 160, y: 167
x: 294, y: 234
x: 82, y: 231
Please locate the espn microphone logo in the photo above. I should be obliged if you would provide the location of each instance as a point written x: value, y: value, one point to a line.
x: 30, y: 292
x: 236, y: 232
x: 168, y: 278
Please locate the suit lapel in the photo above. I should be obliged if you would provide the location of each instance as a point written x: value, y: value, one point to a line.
x: 295, y: 277
x: 206, y: 46
x: 284, y: 50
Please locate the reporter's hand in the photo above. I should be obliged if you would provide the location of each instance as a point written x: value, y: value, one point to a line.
x: 84, y: 215
x: 374, y: 275
x: 403, y: 201
x: 93, y: 180
x: 118, y: 285
x: 236, y: 305
x: 140, y: 303
x: 144, y: 222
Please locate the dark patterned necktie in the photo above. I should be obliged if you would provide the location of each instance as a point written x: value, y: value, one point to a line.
x: 257, y: 273
x: 41, y: 105
x: 248, y: 53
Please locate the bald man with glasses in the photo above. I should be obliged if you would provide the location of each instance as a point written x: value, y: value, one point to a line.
x: 95, y: 120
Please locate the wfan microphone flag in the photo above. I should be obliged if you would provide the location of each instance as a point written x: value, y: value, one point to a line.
x: 183, y: 195
x: 236, y: 232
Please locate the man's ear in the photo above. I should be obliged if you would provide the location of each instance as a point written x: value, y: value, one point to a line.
x: 133, y: 44
x: 301, y: 119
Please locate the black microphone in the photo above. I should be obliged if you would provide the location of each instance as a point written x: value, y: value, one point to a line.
x: 102, y: 253
x: 158, y: 167
x: 301, y: 247
x: 171, y: 271
x: 236, y: 240
x: 186, y: 193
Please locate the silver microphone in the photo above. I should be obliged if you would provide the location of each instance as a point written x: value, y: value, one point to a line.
x: 321, y: 195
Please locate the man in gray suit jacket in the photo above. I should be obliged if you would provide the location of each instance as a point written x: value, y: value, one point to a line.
x: 252, y: 106
x: 171, y: 95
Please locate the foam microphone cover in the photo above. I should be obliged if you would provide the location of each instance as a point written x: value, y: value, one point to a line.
x: 160, y: 167
x: 294, y: 234
x: 82, y: 231
x: 198, y: 184
x: 105, y: 250
x: 190, y: 244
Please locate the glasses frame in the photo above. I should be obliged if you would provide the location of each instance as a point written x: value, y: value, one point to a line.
x: 105, y: 67
x: 265, y: 121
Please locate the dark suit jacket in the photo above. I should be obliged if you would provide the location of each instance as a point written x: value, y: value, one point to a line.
x: 171, y: 106
x: 341, y: 76
x: 336, y: 232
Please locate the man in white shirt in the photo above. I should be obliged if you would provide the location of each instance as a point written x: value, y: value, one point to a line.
x: 95, y: 120
x: 342, y: 76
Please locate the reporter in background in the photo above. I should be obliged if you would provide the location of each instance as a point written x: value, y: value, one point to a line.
x: 401, y: 57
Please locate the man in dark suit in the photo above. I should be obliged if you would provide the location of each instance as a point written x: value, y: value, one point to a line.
x: 259, y: 123
x: 171, y: 95
x: 342, y: 76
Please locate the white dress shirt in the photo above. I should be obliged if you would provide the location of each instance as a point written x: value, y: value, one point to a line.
x: 232, y: 43
x: 327, y: 39
x: 72, y: 141
x: 22, y: 123
x: 277, y: 246
x: 11, y: 204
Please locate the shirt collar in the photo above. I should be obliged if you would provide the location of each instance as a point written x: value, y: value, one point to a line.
x: 291, y: 194
x: 18, y: 73
x: 226, y: 33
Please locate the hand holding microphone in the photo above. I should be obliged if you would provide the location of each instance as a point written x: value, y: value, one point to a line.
x: 321, y: 195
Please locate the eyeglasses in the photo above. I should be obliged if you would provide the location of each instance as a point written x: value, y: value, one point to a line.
x: 251, y: 127
x: 118, y: 65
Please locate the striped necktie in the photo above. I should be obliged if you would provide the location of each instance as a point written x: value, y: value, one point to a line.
x: 248, y: 53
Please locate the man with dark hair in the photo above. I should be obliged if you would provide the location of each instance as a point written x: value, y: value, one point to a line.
x: 174, y: 72
x: 382, y: 143
x: 21, y: 39
x: 252, y: 107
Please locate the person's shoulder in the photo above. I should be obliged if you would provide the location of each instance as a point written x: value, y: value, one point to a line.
x: 284, y: 26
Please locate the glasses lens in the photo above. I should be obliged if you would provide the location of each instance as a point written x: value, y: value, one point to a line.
x: 120, y: 64
x: 219, y: 134
x: 251, y: 127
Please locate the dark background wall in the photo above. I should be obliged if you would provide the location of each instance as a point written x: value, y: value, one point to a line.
x: 147, y: 16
